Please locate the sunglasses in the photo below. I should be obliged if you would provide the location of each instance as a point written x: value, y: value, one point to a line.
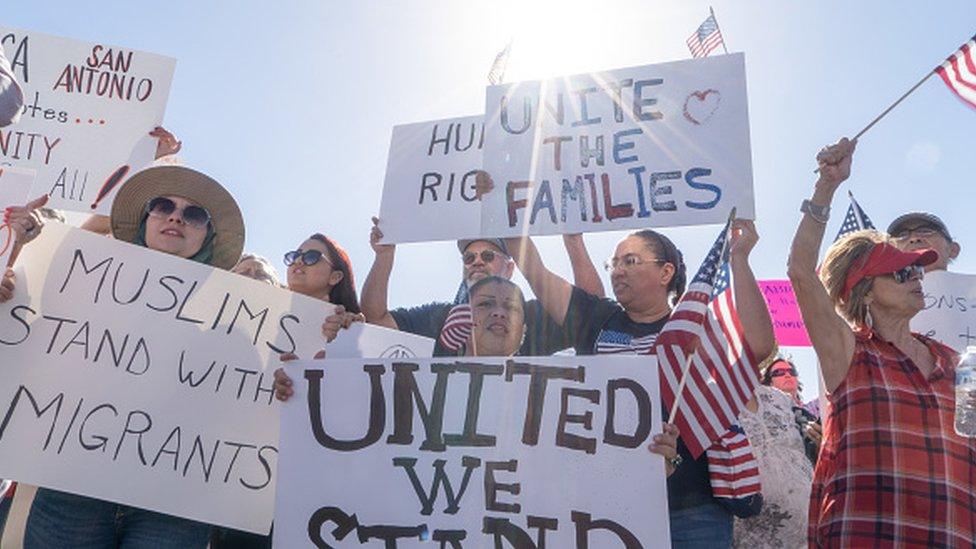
x: 628, y: 261
x: 487, y: 256
x: 922, y: 232
x: 308, y: 257
x: 781, y: 372
x: 193, y: 215
x: 902, y: 276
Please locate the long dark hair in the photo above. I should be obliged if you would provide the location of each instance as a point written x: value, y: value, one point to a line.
x: 343, y: 293
x: 666, y: 251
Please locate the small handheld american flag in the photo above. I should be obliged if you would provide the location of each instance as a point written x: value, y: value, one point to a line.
x: 459, y: 323
x: 855, y: 220
x: 959, y: 72
x: 496, y: 75
x: 706, y: 38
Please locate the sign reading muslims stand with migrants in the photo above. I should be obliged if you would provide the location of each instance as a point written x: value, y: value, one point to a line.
x: 88, y: 110
x: 652, y: 146
x: 138, y: 377
x: 429, y: 190
x: 476, y: 452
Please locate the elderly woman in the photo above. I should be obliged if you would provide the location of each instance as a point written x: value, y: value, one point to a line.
x: 892, y: 471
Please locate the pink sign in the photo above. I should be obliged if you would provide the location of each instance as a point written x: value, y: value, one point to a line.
x: 787, y: 323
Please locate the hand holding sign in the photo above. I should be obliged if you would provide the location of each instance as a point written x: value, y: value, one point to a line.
x: 7, y: 286
x: 167, y: 144
x: 282, y: 382
x: 24, y: 220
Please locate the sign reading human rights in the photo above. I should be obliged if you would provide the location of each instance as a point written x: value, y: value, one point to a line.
x: 429, y: 190
x: 652, y: 146
x: 88, y: 110
x: 138, y: 377
x: 949, y: 315
x: 472, y: 452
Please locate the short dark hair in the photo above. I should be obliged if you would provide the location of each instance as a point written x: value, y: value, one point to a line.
x: 343, y: 293
x: 666, y: 251
x: 498, y: 280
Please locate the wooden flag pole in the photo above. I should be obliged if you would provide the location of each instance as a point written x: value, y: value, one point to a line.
x: 684, y: 373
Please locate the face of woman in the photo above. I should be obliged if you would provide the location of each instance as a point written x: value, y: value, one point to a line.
x: 499, y: 321
x: 169, y: 233
x: 894, y: 299
x: 640, y: 280
x: 784, y: 378
x: 313, y: 280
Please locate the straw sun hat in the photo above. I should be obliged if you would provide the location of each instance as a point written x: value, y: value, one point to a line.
x: 129, y: 207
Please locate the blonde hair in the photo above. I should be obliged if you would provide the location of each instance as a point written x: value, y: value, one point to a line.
x: 849, y: 252
x: 271, y: 275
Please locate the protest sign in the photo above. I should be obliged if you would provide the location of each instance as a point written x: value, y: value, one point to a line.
x: 88, y: 110
x: 368, y: 341
x: 145, y: 379
x: 949, y: 315
x: 480, y: 452
x: 429, y: 192
x: 652, y: 146
x: 14, y: 186
x: 787, y: 323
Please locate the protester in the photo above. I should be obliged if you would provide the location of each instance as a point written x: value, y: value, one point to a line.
x: 480, y: 258
x: 923, y: 231
x: 648, y: 276
x: 11, y: 96
x: 177, y: 211
x: 257, y: 267
x: 782, y: 375
x: 892, y: 470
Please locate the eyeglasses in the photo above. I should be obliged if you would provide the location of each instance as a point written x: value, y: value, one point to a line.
x: 196, y: 216
x: 902, y: 276
x: 487, y: 256
x: 628, y: 261
x: 782, y: 372
x: 921, y: 232
x: 308, y: 257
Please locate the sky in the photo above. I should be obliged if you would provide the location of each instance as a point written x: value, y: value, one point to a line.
x: 291, y: 104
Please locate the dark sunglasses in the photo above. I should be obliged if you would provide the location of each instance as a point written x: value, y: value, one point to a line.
x: 781, y: 372
x: 487, y: 256
x: 308, y: 257
x: 194, y: 215
x: 902, y: 276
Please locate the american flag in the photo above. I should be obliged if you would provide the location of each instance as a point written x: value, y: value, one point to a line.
x: 959, y: 72
x: 706, y: 38
x: 732, y: 467
x: 855, y: 220
x: 459, y: 322
x: 614, y: 343
x: 496, y: 75
x: 704, y: 359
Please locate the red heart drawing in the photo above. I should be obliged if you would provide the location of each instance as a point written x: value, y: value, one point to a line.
x: 701, y: 105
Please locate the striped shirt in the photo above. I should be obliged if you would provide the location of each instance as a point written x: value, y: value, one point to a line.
x: 892, y: 471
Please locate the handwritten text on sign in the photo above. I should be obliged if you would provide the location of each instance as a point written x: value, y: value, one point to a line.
x: 480, y: 452
x: 787, y: 323
x: 659, y: 145
x: 145, y: 379
x: 87, y: 114
x: 949, y: 315
x: 429, y: 190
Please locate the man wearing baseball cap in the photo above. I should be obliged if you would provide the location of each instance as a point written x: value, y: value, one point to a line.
x: 11, y: 96
x: 921, y: 230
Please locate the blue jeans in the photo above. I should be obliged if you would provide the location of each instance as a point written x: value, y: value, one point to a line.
x: 58, y: 519
x: 706, y: 526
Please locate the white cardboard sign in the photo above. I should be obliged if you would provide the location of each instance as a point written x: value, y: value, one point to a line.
x: 145, y: 379
x: 429, y: 191
x: 15, y: 183
x: 362, y: 340
x: 950, y: 309
x: 652, y: 146
x: 479, y: 452
x: 88, y: 111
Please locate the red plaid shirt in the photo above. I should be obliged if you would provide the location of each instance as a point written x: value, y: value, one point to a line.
x: 892, y: 471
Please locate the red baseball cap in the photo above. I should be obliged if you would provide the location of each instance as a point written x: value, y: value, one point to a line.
x: 886, y: 259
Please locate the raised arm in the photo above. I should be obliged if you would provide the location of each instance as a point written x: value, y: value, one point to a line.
x: 749, y: 300
x: 585, y: 275
x: 552, y: 290
x: 373, y: 300
x: 830, y: 334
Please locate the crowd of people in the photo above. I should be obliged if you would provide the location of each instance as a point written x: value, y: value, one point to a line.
x: 885, y: 468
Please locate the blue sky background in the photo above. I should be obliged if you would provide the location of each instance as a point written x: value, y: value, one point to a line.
x: 291, y: 104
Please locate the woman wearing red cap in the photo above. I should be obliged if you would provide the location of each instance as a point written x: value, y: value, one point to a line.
x: 892, y: 471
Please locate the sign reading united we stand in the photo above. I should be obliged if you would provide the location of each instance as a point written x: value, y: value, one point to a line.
x: 658, y: 145
x: 88, y: 110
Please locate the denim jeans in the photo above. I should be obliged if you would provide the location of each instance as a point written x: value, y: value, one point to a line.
x: 706, y: 526
x: 58, y: 519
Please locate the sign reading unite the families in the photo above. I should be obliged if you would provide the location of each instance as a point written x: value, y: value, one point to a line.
x: 88, y: 109
x: 472, y: 452
x: 949, y: 315
x: 141, y: 378
x: 429, y: 190
x: 651, y: 146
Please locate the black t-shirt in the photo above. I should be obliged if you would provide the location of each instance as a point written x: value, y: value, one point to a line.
x: 601, y: 326
x: 543, y: 336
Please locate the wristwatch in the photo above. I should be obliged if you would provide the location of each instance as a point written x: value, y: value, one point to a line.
x: 820, y: 214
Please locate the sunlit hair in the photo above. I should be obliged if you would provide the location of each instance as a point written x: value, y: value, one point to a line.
x: 665, y: 250
x: 498, y: 280
x: 343, y: 293
x: 850, y: 252
x: 267, y: 273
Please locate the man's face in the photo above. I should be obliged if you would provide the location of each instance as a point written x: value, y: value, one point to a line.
x: 919, y: 235
x: 482, y: 259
